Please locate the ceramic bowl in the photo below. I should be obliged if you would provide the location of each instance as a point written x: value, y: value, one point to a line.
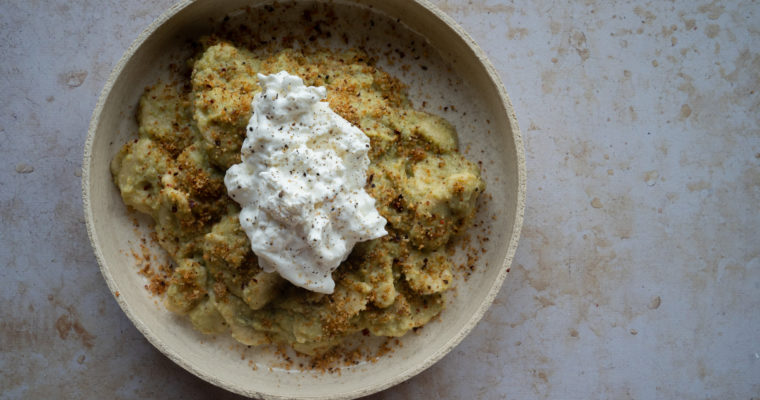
x: 446, y: 73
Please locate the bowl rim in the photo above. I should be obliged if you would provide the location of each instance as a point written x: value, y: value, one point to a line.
x: 506, y: 107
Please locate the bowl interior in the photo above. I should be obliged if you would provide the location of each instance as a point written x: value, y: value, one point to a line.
x: 446, y: 74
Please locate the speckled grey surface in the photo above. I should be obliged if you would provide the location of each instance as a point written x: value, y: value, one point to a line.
x: 638, y: 274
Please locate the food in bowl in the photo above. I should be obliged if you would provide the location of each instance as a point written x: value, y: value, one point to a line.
x: 191, y: 132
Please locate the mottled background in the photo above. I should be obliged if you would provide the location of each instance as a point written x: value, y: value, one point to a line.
x: 638, y: 272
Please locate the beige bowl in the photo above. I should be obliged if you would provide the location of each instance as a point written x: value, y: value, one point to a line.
x: 447, y: 73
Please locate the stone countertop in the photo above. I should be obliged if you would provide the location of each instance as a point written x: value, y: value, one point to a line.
x: 638, y: 271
